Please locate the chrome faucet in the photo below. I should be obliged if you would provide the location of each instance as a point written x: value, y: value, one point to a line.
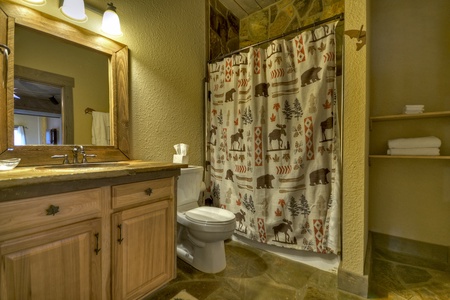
x: 85, y: 156
x: 80, y: 149
x: 65, y: 158
x: 75, y: 151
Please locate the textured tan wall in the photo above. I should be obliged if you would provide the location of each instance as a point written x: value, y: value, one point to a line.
x: 355, y: 146
x: 167, y: 65
x: 167, y: 61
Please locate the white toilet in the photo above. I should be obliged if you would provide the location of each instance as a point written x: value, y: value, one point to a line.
x: 201, y: 230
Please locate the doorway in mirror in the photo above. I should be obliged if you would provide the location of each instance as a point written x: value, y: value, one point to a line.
x: 37, y: 113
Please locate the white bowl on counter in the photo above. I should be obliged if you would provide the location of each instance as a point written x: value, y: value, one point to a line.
x: 9, y: 164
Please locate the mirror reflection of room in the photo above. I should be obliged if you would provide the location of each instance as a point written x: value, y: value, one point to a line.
x: 37, y: 113
x: 36, y: 118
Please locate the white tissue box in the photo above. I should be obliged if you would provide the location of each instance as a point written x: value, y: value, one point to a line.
x: 180, y: 159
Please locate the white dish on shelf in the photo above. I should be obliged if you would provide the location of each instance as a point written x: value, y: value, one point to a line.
x: 9, y: 164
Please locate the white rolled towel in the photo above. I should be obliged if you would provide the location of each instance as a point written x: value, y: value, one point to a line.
x: 414, y: 151
x: 420, y: 142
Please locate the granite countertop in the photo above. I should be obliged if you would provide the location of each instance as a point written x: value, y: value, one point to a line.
x: 25, y: 177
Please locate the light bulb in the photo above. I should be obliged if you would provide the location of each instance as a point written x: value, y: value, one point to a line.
x: 74, y: 9
x: 111, y: 22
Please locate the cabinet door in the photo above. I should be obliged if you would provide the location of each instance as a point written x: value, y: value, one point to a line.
x: 63, y: 263
x: 143, y: 249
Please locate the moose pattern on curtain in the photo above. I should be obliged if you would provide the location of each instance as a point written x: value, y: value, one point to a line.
x: 273, y: 141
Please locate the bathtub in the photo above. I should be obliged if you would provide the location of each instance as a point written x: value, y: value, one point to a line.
x: 325, y: 262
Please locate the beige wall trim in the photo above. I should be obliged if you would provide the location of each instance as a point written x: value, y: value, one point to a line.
x: 353, y: 283
x: 355, y: 167
x: 369, y: 254
x: 420, y: 253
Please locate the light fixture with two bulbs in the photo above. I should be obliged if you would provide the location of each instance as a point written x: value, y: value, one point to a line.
x: 75, y: 10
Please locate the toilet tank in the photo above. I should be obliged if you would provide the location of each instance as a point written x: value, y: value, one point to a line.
x: 189, y: 186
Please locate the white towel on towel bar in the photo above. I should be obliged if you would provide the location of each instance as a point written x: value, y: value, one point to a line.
x: 414, y: 151
x: 100, y: 128
x: 420, y: 142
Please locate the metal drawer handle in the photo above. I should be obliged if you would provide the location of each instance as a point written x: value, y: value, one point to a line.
x: 52, y: 210
x: 120, y: 239
x: 97, y: 249
x: 148, y: 191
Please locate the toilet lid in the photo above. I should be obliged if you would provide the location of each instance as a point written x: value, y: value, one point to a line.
x: 209, y: 214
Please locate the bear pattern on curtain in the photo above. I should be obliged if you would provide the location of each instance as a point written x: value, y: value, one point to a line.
x: 273, y: 141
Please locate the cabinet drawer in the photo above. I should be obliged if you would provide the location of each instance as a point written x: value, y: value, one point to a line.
x: 139, y: 192
x: 32, y: 212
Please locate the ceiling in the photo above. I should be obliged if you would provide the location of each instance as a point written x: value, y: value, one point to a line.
x: 36, y: 97
x: 28, y: 88
x: 243, y: 8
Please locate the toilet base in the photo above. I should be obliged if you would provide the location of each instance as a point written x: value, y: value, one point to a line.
x: 202, y: 245
x: 207, y: 259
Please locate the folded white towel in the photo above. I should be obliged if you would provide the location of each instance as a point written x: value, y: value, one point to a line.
x: 414, y: 107
x: 420, y: 142
x: 412, y: 112
x: 414, y: 151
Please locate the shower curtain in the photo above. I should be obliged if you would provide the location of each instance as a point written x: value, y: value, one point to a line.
x: 273, y: 141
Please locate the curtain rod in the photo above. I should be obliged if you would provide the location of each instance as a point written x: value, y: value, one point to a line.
x: 339, y: 16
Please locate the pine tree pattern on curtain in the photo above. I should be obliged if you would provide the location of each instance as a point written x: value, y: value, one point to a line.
x: 273, y: 141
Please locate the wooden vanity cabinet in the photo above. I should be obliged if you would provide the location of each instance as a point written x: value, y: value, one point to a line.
x: 55, y: 264
x: 115, y: 241
x: 143, y: 236
x: 44, y: 257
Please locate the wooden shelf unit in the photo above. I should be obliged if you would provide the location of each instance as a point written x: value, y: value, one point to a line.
x: 410, y: 156
x: 437, y: 114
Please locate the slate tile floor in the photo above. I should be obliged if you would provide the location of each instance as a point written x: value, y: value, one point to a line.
x: 404, y: 277
x: 254, y: 274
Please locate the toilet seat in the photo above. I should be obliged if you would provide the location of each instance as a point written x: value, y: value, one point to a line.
x: 210, y: 215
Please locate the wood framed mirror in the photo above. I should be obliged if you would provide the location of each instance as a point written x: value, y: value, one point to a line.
x: 13, y: 16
